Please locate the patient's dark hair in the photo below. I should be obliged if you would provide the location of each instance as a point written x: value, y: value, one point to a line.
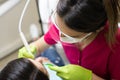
x: 90, y: 15
x: 21, y: 69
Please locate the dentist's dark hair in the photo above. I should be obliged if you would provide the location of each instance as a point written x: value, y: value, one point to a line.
x: 21, y: 69
x: 90, y: 15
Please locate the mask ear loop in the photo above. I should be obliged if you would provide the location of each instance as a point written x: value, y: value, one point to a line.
x: 85, y: 36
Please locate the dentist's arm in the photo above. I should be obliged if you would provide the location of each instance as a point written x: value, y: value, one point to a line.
x: 40, y: 44
x: 37, y: 46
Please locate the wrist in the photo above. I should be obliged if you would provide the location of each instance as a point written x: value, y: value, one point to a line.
x: 95, y: 77
x: 33, y: 49
x: 36, y: 47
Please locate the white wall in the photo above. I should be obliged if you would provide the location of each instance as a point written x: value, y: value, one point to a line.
x: 9, y: 35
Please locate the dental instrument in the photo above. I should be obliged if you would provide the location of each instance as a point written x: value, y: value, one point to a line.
x: 20, y: 30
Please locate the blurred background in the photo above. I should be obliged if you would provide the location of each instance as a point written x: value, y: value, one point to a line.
x: 34, y: 25
x: 10, y: 42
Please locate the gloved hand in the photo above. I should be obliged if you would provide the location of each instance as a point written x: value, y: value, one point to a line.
x: 23, y: 53
x: 72, y: 72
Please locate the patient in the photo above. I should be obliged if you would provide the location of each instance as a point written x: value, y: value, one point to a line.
x: 25, y: 69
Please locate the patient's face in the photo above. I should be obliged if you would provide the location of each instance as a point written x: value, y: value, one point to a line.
x: 38, y: 63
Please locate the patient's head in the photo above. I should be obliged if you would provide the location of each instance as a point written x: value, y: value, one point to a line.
x: 23, y: 69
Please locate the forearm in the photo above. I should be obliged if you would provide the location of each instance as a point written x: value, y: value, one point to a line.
x: 95, y: 77
x: 40, y: 44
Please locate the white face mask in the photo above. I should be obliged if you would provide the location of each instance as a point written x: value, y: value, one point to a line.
x: 67, y: 38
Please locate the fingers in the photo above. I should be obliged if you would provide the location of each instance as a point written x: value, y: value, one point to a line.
x: 33, y: 49
x: 28, y: 55
x: 63, y: 76
x: 56, y: 68
x: 24, y: 54
x: 60, y: 72
x: 20, y: 55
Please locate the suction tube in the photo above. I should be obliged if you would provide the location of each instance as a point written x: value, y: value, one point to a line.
x: 20, y: 29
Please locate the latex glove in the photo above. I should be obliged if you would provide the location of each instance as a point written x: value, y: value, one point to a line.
x: 72, y: 72
x: 23, y: 53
